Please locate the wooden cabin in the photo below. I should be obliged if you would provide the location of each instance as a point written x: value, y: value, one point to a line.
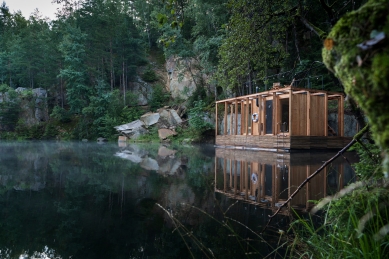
x: 281, y: 119
x: 267, y: 179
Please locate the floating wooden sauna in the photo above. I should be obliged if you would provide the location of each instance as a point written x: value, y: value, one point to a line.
x: 267, y: 179
x: 281, y: 119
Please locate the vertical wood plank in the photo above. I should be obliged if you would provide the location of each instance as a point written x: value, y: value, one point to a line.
x: 275, y: 122
x: 291, y: 122
x: 341, y: 116
x: 217, y: 122
x: 236, y: 117
x: 242, y: 116
x: 231, y: 119
x: 225, y: 118
x: 260, y: 119
x: 325, y: 114
x: 247, y: 114
x: 308, y: 114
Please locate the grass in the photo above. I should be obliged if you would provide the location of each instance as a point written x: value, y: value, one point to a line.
x: 355, y: 225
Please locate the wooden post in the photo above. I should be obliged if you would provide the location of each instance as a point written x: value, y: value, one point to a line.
x: 242, y: 121
x: 290, y: 112
x: 341, y: 116
x: 247, y: 113
x: 252, y: 112
x: 325, y: 114
x: 216, y: 127
x: 259, y: 114
x: 231, y: 119
x: 225, y: 118
x: 275, y: 122
x: 308, y: 113
x: 236, y: 117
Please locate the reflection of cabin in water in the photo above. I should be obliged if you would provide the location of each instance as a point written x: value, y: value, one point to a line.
x: 284, y: 118
x: 267, y: 179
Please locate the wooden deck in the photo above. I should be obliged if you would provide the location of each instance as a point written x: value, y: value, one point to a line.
x: 281, y: 142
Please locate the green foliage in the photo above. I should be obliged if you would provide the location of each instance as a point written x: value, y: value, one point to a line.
x: 50, y: 132
x: 60, y: 114
x: 370, y: 161
x: 4, y: 88
x: 197, y: 116
x: 354, y: 226
x: 9, y: 109
x: 149, y: 75
x: 159, y: 97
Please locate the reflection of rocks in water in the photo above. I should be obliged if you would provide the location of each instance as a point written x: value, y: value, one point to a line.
x: 166, y: 162
x: 149, y: 164
x: 165, y: 152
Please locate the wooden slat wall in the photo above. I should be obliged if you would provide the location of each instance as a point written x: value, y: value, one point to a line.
x: 298, y: 113
x: 317, y: 116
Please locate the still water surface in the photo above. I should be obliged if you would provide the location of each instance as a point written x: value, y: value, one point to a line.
x: 89, y: 200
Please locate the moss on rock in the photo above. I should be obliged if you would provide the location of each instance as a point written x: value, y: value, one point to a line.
x: 364, y: 72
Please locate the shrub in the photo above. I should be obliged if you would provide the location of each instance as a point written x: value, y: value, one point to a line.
x: 197, y: 117
x: 159, y: 98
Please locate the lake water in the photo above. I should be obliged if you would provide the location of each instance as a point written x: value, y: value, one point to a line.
x: 90, y: 200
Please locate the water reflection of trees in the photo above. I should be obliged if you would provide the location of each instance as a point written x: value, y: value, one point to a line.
x: 92, y: 204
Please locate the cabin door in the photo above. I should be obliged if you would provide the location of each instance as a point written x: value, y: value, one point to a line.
x: 269, y: 116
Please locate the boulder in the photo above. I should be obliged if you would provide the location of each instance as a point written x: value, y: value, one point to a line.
x: 170, y: 117
x: 101, y: 140
x: 130, y: 126
x: 132, y: 130
x: 150, y: 118
x: 165, y: 133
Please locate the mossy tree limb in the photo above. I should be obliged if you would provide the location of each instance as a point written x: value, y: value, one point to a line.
x: 364, y: 72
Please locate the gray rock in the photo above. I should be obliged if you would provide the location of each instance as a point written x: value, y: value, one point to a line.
x: 20, y: 89
x: 101, y: 140
x: 130, y: 126
x: 150, y: 118
x: 170, y: 117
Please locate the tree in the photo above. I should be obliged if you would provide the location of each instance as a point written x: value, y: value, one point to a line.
x: 74, y: 72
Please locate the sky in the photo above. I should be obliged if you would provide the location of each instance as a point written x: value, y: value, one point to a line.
x: 45, y: 7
